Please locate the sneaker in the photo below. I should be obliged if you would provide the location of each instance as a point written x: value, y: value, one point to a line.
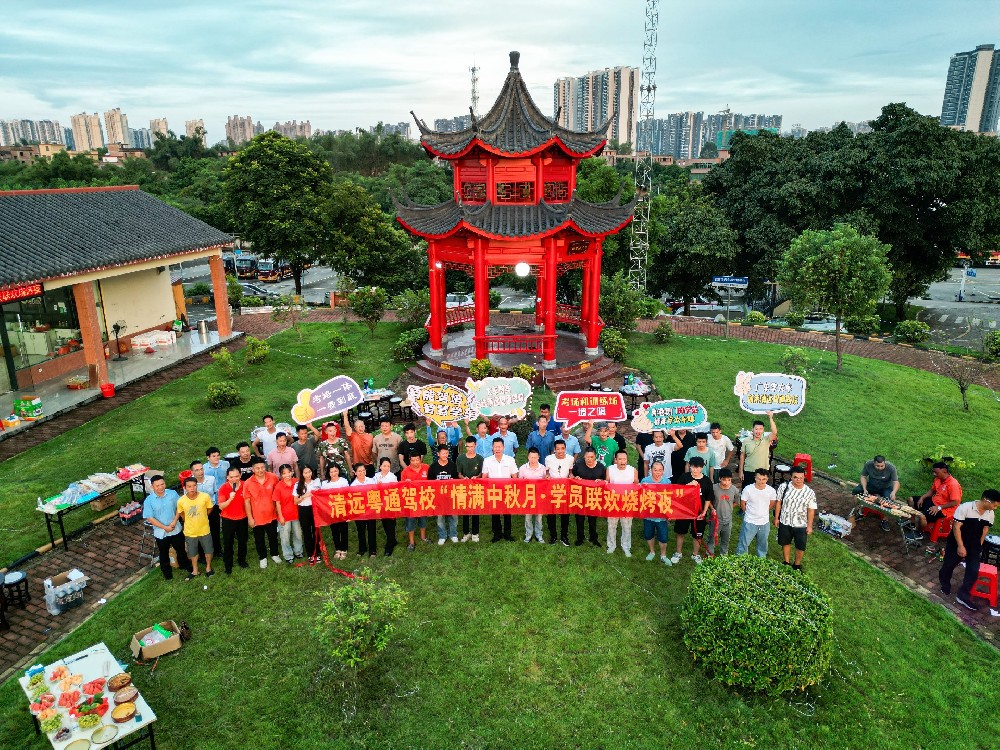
x: 967, y: 602
x: 410, y: 547
x: 650, y: 557
x: 796, y: 567
x: 551, y: 541
x: 564, y: 542
x: 276, y: 559
x: 441, y: 541
x: 666, y: 560
x: 628, y: 553
x: 467, y: 537
x: 541, y: 540
x: 312, y: 560
x: 676, y: 558
x: 244, y: 565
x: 263, y: 563
x: 496, y: 539
x: 475, y: 537
x: 528, y: 540
x: 884, y: 525
x: 289, y: 560
x: 946, y: 590
x: 454, y: 540
x: 425, y: 540
x: 696, y: 559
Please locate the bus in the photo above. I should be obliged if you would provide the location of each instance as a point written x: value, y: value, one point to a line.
x: 272, y: 270
x: 989, y: 259
x: 246, y: 266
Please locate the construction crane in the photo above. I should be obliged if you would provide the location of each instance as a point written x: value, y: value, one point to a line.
x: 639, y: 247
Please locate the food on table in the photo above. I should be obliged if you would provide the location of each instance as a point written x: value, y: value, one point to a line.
x: 105, y: 734
x: 96, y: 704
x: 36, y: 679
x: 94, y: 686
x: 119, y: 681
x: 47, y: 713
x: 62, y: 735
x: 39, y: 690
x: 51, y: 724
x: 68, y: 682
x: 43, y: 701
x: 88, y: 721
x: 69, y: 699
x: 124, y: 712
x: 58, y: 673
x: 80, y: 744
x: 127, y: 694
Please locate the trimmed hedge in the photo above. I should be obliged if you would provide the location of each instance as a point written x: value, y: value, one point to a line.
x: 795, y: 319
x: 863, y: 325
x: 756, y: 317
x: 224, y: 395
x: 756, y: 624
x: 410, y: 344
x: 615, y: 344
x: 912, y: 331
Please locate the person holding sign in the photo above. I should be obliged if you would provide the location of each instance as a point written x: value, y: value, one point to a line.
x: 756, y: 450
x: 660, y: 450
x: 605, y: 445
x: 500, y: 466
x: 621, y: 473
x: 696, y: 477
x: 656, y: 527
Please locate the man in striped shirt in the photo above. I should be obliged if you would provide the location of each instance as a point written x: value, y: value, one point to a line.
x: 793, y: 515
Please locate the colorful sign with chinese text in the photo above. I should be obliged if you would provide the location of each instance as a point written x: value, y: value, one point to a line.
x: 462, y: 497
x: 335, y: 396
x: 573, y: 407
x: 770, y: 391
x: 673, y: 414
x: 442, y: 402
x: 499, y: 397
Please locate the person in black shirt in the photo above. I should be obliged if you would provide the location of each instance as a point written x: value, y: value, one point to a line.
x: 970, y: 525
x: 688, y: 440
x: 682, y: 526
x: 595, y: 471
x: 442, y: 470
x: 244, y: 461
x: 411, y: 446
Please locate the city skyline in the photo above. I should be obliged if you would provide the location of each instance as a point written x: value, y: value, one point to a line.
x: 351, y: 65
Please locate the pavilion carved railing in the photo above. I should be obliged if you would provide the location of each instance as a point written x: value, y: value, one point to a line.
x: 454, y: 316
x: 569, y: 314
x: 524, y: 344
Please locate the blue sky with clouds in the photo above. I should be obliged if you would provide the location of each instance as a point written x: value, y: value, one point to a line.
x: 348, y: 63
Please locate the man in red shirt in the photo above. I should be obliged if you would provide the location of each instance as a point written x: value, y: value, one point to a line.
x: 234, y: 519
x: 416, y: 471
x: 263, y: 513
x: 940, y: 500
x: 362, y: 445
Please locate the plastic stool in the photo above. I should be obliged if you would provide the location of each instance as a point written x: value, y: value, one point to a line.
x: 988, y: 579
x: 15, y: 587
x: 804, y: 459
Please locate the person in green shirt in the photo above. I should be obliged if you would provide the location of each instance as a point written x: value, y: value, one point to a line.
x: 470, y: 466
x: 701, y: 449
x: 605, y: 445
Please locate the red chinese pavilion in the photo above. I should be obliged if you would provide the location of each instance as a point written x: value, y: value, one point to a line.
x: 515, y: 208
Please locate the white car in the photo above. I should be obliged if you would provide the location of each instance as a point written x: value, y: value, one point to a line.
x: 458, y: 300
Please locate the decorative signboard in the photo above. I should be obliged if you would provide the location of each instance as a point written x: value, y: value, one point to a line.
x: 770, y: 391
x: 442, y: 402
x: 335, y: 396
x: 499, y: 397
x: 12, y: 294
x: 573, y: 407
x: 672, y: 414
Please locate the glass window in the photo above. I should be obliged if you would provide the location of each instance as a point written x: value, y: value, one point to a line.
x: 41, y: 328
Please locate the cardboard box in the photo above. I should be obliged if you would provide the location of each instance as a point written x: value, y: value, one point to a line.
x: 157, y: 649
x: 64, y: 591
x: 28, y: 409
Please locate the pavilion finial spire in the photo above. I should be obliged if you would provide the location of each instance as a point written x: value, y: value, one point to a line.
x: 515, y: 58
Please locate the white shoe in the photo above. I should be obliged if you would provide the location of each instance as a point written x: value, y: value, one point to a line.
x: 454, y: 540
x: 696, y: 559
x: 627, y: 552
x: 467, y: 537
x: 263, y: 563
x: 666, y: 560
x: 540, y: 540
x: 475, y: 537
x: 676, y: 558
x: 528, y: 540
x: 276, y: 559
x: 441, y: 541
x: 610, y: 550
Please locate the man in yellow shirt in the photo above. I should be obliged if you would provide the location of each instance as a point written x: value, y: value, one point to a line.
x: 194, y: 507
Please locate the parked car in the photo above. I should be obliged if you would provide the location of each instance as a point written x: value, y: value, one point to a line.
x: 458, y: 300
x: 254, y: 290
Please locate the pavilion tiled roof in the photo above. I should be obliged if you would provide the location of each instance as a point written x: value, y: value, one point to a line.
x: 514, y: 220
x: 47, y: 234
x: 514, y: 126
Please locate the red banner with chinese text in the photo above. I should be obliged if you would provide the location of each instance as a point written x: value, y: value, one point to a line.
x: 462, y: 497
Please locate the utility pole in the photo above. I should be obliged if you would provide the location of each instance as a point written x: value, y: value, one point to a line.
x: 639, y: 247
x: 474, y: 70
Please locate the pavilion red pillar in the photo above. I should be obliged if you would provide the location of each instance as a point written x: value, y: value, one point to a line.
x: 594, y: 324
x: 585, y: 297
x: 481, y: 293
x: 549, y: 305
x: 443, y: 298
x: 437, y: 311
x: 540, y: 301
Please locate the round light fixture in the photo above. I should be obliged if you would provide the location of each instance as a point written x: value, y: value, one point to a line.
x: 522, y: 269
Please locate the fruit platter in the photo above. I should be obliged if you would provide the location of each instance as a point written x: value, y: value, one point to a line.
x: 94, y: 704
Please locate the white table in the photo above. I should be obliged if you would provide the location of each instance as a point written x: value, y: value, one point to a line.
x: 97, y: 661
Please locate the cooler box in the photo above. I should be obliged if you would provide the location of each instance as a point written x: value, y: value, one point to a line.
x: 804, y: 459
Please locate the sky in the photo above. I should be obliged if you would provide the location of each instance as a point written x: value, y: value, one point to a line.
x: 344, y: 64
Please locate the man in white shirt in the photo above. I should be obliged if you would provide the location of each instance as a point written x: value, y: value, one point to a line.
x: 559, y: 466
x: 660, y: 450
x: 265, y: 439
x: 500, y: 466
x: 720, y: 445
x: 756, y: 500
x: 621, y: 473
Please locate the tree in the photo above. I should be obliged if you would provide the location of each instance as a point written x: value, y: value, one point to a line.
x: 690, y: 241
x: 837, y: 270
x: 709, y: 151
x: 369, y: 303
x: 599, y: 182
x: 623, y: 149
x: 276, y: 194
x: 619, y: 304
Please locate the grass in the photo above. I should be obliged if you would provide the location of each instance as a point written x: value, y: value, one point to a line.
x: 170, y: 428
x: 532, y: 647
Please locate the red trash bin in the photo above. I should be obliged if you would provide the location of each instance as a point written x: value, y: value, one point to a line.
x: 108, y: 390
x: 804, y: 459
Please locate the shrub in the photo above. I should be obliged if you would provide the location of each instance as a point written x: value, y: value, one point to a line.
x: 863, y: 325
x: 524, y: 371
x: 227, y: 363
x: 647, y: 307
x: 795, y: 318
x: 991, y: 345
x: 409, y: 344
x: 912, y: 331
x: 615, y: 344
x: 795, y: 361
x: 251, y: 302
x: 224, y: 395
x: 620, y: 304
x: 940, y: 453
x: 234, y: 291
x: 480, y: 368
x: 369, y: 303
x: 356, y: 619
x: 201, y: 289
x: 663, y: 332
x: 495, y: 299
x: 412, y: 307
x: 755, y: 317
x: 256, y: 351
x: 341, y: 349
x: 522, y: 428
x: 756, y: 624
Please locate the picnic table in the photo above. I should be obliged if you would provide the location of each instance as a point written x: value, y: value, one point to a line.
x: 634, y: 392
x: 93, y: 663
x: 902, y: 513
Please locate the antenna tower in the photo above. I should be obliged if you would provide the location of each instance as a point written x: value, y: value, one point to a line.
x: 474, y: 70
x: 639, y: 247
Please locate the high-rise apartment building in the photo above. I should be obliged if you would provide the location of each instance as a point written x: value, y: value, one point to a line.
x: 400, y: 128
x: 87, y: 133
x: 453, y: 124
x: 68, y: 139
x: 158, y: 125
x: 191, y: 125
x: 14, y: 132
x: 682, y: 134
x: 239, y: 129
x: 141, y: 137
x: 116, y: 127
x: 972, y: 91
x: 293, y: 129
x: 586, y: 102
